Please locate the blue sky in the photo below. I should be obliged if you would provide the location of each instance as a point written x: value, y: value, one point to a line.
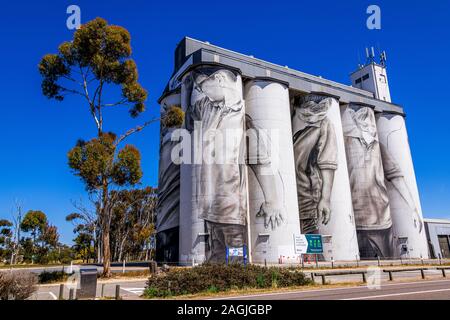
x: 317, y: 37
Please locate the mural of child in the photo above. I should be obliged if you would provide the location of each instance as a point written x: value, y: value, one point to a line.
x: 315, y: 150
x: 219, y: 189
x: 367, y: 180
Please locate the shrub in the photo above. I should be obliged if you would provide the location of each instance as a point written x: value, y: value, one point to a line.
x: 52, y: 276
x: 17, y: 285
x: 216, y: 277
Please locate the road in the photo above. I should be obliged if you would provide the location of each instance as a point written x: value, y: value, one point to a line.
x: 434, y: 287
x: 417, y: 290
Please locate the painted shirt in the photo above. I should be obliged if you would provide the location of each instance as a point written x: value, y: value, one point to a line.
x: 219, y: 189
x: 367, y: 175
x: 315, y: 149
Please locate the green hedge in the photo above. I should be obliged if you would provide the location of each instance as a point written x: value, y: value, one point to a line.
x: 53, y: 276
x: 215, y: 278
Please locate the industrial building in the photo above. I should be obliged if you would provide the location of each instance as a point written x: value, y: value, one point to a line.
x: 308, y: 156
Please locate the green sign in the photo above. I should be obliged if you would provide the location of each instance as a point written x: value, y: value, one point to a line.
x: 314, y: 243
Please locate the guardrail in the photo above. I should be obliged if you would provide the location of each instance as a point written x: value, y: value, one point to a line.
x: 422, y: 271
x: 338, y: 273
x: 390, y: 272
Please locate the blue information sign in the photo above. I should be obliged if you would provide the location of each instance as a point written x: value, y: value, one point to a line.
x: 314, y: 243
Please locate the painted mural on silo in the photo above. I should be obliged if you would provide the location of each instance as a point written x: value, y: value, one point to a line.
x: 273, y: 209
x: 368, y: 172
x: 323, y: 190
x: 215, y: 116
x: 168, y: 206
x: 409, y: 230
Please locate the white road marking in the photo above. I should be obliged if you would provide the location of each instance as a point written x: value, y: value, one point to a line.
x: 53, y: 295
x: 397, y: 294
x: 324, y: 290
x: 137, y: 291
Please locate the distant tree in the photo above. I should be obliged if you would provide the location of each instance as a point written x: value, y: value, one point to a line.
x: 17, y: 222
x: 6, y: 238
x: 49, y: 247
x: 132, y: 225
x: 27, y: 249
x: 50, y: 237
x: 83, y: 246
x: 86, y: 226
x: 90, y: 65
x: 44, y: 240
x: 34, y: 222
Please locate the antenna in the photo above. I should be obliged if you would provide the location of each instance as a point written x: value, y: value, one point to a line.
x: 370, y: 54
x: 383, y: 58
x: 360, y: 65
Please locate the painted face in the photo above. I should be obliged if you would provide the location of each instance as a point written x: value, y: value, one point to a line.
x: 365, y: 121
x: 212, y: 87
x: 312, y: 112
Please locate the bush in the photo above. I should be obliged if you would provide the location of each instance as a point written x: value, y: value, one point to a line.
x: 17, y: 285
x: 215, y: 278
x: 52, y: 276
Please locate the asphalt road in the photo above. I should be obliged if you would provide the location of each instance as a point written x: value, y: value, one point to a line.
x: 417, y: 290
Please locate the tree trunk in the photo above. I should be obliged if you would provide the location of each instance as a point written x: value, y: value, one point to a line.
x: 106, y: 226
x: 121, y: 246
x: 106, y: 254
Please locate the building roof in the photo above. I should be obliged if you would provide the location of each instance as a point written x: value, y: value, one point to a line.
x: 191, y: 53
x: 440, y: 221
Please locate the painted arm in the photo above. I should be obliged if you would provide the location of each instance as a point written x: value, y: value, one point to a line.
x: 271, y: 209
x: 401, y: 187
x: 323, y: 207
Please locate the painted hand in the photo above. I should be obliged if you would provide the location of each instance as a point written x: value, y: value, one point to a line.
x: 272, y: 216
x: 323, y: 211
x: 418, y: 222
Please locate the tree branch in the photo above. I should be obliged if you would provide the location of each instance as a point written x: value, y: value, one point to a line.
x: 71, y: 91
x: 86, y: 94
x: 134, y: 130
x: 123, y: 101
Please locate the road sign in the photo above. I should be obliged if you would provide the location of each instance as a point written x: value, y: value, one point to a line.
x: 308, y: 243
x: 314, y: 243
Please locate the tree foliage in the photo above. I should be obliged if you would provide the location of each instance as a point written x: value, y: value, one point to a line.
x: 6, y: 241
x: 34, y: 222
x: 43, y: 246
x: 99, y: 52
x: 96, y: 160
x: 173, y: 118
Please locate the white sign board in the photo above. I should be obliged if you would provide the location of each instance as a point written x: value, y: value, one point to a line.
x: 236, y: 252
x: 301, y: 244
